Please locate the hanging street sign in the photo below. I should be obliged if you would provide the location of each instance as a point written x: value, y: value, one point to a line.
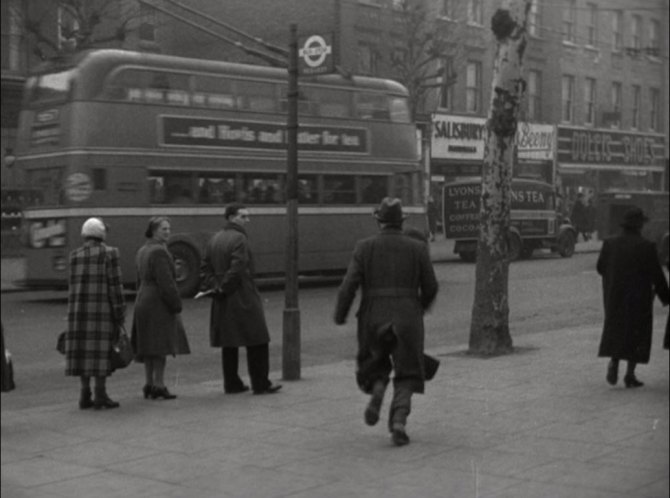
x: 315, y: 55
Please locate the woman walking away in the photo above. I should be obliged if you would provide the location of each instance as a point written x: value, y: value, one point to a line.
x: 158, y: 330
x: 632, y: 275
x: 96, y: 311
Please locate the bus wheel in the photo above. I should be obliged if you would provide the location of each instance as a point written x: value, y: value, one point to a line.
x: 514, y: 246
x: 187, y: 264
x: 468, y: 256
x: 566, y: 244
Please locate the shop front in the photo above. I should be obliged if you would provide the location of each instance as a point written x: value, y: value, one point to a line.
x: 592, y: 161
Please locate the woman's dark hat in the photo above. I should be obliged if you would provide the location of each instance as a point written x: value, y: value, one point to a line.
x: 634, y: 218
x: 390, y: 211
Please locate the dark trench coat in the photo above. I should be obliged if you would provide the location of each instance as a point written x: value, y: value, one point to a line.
x: 237, y: 318
x: 631, y: 276
x: 398, y: 284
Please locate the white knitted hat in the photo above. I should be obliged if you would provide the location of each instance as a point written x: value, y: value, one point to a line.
x: 94, y: 227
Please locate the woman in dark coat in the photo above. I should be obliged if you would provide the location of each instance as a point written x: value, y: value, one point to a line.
x: 7, y: 379
x: 96, y: 311
x: 631, y: 275
x: 158, y: 330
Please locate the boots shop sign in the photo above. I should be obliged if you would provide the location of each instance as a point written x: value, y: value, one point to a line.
x: 609, y: 147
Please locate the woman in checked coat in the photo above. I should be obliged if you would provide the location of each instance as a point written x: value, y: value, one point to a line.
x: 96, y: 311
x: 158, y: 330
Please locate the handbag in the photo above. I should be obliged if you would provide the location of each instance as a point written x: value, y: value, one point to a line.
x: 121, y: 354
x: 60, y: 343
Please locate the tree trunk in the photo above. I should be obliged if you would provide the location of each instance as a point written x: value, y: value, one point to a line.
x: 489, y: 328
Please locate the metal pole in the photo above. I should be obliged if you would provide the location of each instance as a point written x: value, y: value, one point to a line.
x: 291, y: 336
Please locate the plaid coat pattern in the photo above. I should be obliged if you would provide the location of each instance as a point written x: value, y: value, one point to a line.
x: 96, y: 308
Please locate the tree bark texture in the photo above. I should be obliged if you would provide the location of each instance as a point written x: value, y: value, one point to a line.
x: 489, y: 328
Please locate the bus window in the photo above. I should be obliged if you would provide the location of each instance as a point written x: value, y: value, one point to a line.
x: 175, y: 187
x: 333, y: 103
x: 213, y: 92
x: 156, y: 189
x: 402, y: 188
x: 307, y: 100
x: 54, y: 87
x: 339, y: 189
x: 308, y: 189
x: 257, y: 96
x: 216, y: 189
x: 127, y: 84
x: 372, y: 106
x: 262, y: 189
x: 372, y: 189
x: 49, y: 182
x: 400, y: 110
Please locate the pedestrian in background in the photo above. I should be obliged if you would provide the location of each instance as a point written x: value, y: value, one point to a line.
x: 432, y: 215
x: 631, y: 275
x: 7, y: 369
x: 96, y: 312
x: 237, y: 318
x: 158, y: 329
x: 398, y: 285
x: 578, y: 216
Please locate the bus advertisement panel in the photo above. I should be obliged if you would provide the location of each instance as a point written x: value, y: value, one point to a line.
x: 126, y: 136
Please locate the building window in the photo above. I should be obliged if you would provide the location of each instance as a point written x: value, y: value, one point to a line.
x: 635, y: 117
x: 475, y: 12
x: 367, y: 58
x: 68, y: 28
x: 617, y: 33
x: 534, y: 18
x: 592, y: 25
x: 636, y: 32
x: 569, y: 14
x: 534, y: 96
x: 448, y: 9
x: 147, y: 30
x: 473, y: 87
x: 590, y: 101
x: 654, y: 48
x: 567, y: 98
x: 615, y: 103
x: 11, y: 44
x: 447, y: 86
x: 654, y: 110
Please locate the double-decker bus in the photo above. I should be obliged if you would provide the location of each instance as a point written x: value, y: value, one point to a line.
x: 126, y: 136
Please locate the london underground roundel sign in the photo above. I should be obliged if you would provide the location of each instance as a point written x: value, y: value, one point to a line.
x: 316, y: 54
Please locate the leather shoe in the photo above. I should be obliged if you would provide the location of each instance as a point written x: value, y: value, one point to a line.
x: 399, y: 436
x: 237, y: 390
x: 631, y: 381
x: 612, y: 373
x: 272, y: 389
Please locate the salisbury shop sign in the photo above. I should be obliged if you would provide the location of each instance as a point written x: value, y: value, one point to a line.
x: 218, y: 133
x: 463, y: 138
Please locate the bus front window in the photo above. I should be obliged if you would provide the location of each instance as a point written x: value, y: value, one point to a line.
x: 53, y: 87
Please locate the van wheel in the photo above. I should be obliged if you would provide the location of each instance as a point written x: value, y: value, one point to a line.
x: 514, y: 246
x: 187, y: 264
x: 527, y: 251
x: 468, y: 256
x: 566, y: 244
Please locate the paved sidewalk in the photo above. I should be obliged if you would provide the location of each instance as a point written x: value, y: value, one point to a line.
x: 540, y: 423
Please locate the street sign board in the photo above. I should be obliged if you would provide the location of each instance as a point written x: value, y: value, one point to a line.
x: 315, y: 55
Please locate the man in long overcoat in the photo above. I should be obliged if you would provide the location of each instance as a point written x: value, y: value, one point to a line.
x: 237, y: 318
x: 398, y: 285
x: 631, y: 275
